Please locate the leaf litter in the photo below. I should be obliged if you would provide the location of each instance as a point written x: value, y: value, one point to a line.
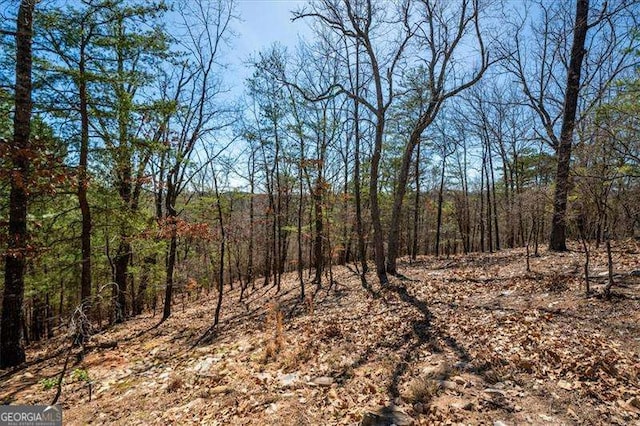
x: 470, y: 339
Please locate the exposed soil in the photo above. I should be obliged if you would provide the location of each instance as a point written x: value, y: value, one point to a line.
x: 463, y: 340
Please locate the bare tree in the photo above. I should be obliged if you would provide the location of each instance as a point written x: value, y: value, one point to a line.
x: 361, y: 21
x: 558, y: 224
x: 197, y: 87
x: 538, y: 57
x: 444, y: 33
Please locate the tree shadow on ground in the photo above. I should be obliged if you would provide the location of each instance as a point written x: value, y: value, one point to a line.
x: 426, y: 335
x: 288, y: 302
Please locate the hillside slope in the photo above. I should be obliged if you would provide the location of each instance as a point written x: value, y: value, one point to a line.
x: 469, y: 339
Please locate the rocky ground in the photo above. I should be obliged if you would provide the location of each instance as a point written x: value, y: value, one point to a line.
x: 462, y: 340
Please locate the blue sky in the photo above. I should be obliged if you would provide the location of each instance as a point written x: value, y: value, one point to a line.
x: 263, y: 22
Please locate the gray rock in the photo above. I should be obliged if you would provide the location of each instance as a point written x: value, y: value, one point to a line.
x: 204, y: 365
x: 287, y: 380
x: 264, y: 377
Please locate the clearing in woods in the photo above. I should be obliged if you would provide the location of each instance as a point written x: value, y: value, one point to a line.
x: 468, y: 339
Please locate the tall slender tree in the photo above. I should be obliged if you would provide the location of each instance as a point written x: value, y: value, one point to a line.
x: 558, y: 239
x: 11, y: 325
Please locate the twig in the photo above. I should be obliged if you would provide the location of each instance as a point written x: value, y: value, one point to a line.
x: 62, y: 373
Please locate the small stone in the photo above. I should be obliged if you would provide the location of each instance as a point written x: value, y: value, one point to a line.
x: 459, y: 380
x: 463, y: 405
x: 272, y: 409
x: 499, y: 423
x: 436, y: 371
x: 564, y: 385
x: 461, y: 365
x: 494, y: 392
x: 323, y: 381
x: 219, y: 390
x: 263, y: 377
x: 372, y: 419
x: 103, y: 389
x: 448, y: 385
x: 203, y: 366
x: 287, y: 380
x: 387, y: 416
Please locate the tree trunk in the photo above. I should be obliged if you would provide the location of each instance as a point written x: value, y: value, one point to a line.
x: 489, y: 212
x: 121, y: 262
x: 378, y: 242
x: 481, y: 195
x: 318, y: 249
x: 250, y: 278
x: 558, y: 224
x: 138, y: 303
x: 416, y: 207
x: 362, y: 253
x: 440, y: 201
x: 170, y: 266
x: 83, y: 184
x: 398, y: 197
x: 495, y: 201
x: 223, y: 237
x: 11, y: 324
x: 300, y: 266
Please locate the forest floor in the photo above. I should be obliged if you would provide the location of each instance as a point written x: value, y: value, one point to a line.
x: 461, y: 340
